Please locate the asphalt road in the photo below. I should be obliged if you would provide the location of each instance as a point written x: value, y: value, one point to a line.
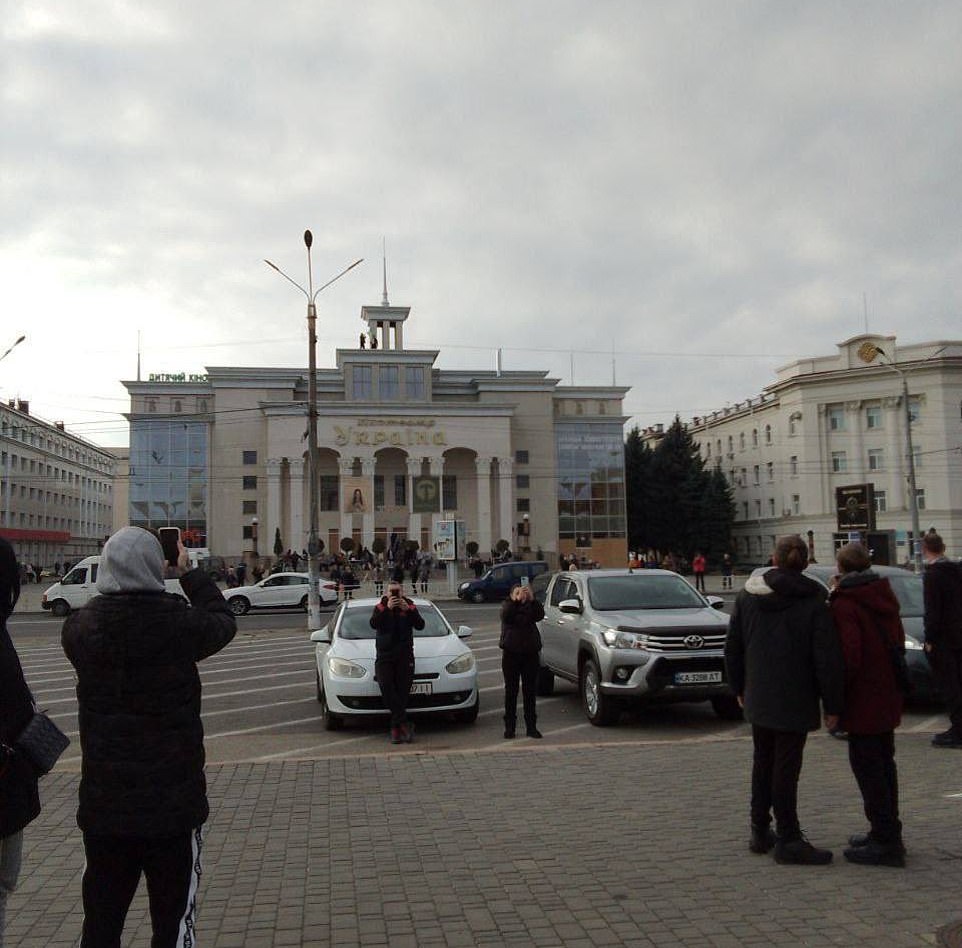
x: 260, y: 702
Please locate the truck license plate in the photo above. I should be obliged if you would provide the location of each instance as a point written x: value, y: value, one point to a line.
x: 697, y: 678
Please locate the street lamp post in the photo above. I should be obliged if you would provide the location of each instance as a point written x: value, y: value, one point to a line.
x: 313, y: 551
x: 910, y: 450
x: 254, y: 522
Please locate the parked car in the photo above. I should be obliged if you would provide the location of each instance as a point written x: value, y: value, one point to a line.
x: 445, y: 670
x: 907, y: 587
x: 633, y: 636
x: 499, y: 580
x: 277, y: 591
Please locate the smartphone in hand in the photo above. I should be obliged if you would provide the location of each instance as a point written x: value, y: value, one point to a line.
x: 169, y: 540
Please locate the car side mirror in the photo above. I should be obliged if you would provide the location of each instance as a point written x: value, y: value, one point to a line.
x: 465, y: 631
x: 571, y: 605
x: 716, y: 602
x: 322, y: 635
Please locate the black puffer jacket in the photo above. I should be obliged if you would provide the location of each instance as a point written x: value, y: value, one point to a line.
x: 139, y: 693
x: 782, y: 653
x: 19, y: 799
x: 519, y: 629
x: 942, y: 588
x: 395, y: 629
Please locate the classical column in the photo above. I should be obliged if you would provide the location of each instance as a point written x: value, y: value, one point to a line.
x: 346, y: 467
x: 367, y: 521
x: 414, y: 519
x: 295, y: 494
x: 826, y: 496
x: 483, y: 488
x: 437, y: 470
x: 853, y: 409
x: 272, y: 521
x: 897, y: 497
x: 505, y: 495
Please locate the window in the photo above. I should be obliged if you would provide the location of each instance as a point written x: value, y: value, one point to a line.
x: 449, y: 492
x: 414, y: 382
x: 524, y: 504
x: 249, y: 507
x: 796, y: 504
x: 792, y: 425
x: 876, y: 459
x: 873, y: 417
x: 758, y: 509
x: 520, y: 457
x: 743, y: 478
x: 248, y: 457
x: 745, y: 508
x: 839, y: 462
x: 151, y: 405
x: 378, y: 491
x: 741, y: 441
x: 363, y: 383
x: 915, y: 409
x: 770, y: 472
x: 328, y: 498
x: 389, y: 383
x: 793, y: 465
x: 177, y: 406
x: 731, y: 444
x: 248, y: 532
x: 917, y: 457
x: 920, y: 498
x: 755, y: 475
x: 880, y: 504
x: 836, y: 418
x: 768, y: 434
x: 754, y: 437
x: 771, y: 506
x: 250, y: 483
x: 708, y: 450
x: 522, y: 481
x: 400, y: 490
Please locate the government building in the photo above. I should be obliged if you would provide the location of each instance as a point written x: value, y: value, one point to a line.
x: 834, y: 430
x: 514, y: 456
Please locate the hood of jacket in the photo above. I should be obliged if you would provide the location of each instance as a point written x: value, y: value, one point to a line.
x: 869, y: 590
x: 778, y: 589
x: 132, y: 561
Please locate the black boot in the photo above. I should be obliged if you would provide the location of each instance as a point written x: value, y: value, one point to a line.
x: 509, y: 727
x: 762, y: 840
x: 801, y: 852
x: 874, y: 853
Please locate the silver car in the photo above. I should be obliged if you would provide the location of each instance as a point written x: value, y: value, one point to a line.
x: 626, y: 635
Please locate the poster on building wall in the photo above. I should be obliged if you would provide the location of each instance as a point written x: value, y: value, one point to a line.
x: 427, y: 494
x: 355, y: 494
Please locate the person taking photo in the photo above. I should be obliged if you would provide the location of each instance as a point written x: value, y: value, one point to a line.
x: 520, y: 644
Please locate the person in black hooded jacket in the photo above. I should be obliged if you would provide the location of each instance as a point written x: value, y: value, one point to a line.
x: 143, y: 795
x: 782, y: 656
x: 520, y: 644
x: 19, y: 799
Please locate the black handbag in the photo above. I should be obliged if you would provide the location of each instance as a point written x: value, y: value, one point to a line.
x: 42, y: 742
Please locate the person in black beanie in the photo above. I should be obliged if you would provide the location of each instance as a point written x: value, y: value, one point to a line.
x: 19, y: 799
x: 394, y: 619
x: 520, y: 644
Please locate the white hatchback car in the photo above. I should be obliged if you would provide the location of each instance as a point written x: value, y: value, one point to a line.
x: 277, y: 591
x: 445, y: 670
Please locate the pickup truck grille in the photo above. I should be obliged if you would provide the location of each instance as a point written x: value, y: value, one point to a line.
x: 678, y: 640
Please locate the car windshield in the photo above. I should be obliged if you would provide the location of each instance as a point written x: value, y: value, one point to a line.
x: 908, y: 591
x: 642, y: 591
x: 356, y: 624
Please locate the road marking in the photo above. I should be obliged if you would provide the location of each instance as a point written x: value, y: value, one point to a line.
x: 929, y: 724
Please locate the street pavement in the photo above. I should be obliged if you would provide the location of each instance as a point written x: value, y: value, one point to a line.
x: 631, y: 836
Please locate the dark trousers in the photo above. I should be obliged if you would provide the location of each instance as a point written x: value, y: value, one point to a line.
x: 872, y: 757
x: 776, y: 768
x: 947, y: 665
x: 700, y: 582
x: 394, y: 677
x: 523, y: 667
x: 171, y: 865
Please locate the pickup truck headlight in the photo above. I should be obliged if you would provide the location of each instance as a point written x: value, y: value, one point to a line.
x: 342, y: 668
x: 615, y: 638
x: 461, y: 664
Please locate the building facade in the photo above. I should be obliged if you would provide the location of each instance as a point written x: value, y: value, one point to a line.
x: 840, y: 421
x: 402, y: 445
x: 56, y: 492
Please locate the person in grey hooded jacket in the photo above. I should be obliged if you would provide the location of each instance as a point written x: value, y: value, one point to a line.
x: 783, y: 656
x: 143, y: 795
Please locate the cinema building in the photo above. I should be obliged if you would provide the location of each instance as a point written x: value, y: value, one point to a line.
x: 402, y: 445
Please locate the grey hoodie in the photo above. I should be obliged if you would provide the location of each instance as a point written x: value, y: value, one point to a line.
x: 132, y: 561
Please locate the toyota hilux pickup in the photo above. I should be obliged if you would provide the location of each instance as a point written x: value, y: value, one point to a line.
x: 632, y: 636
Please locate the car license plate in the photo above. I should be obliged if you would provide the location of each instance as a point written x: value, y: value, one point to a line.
x: 421, y: 688
x: 697, y: 678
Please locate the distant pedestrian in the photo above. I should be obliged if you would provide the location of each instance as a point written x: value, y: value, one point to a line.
x: 143, y: 795
x: 377, y: 575
x: 782, y: 656
x: 394, y: 620
x: 698, y: 566
x: 424, y: 575
x: 521, y: 645
x: 727, y: 571
x: 19, y: 799
x: 866, y: 615
x: 942, y: 589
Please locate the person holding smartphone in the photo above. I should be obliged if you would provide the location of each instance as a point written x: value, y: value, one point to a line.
x: 395, y: 619
x: 520, y: 644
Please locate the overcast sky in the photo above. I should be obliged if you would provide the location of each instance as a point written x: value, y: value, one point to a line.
x: 707, y: 189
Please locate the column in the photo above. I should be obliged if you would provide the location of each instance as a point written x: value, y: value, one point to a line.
x: 295, y: 492
x: 272, y: 520
x: 367, y: 521
x: 483, y: 487
x: 505, y: 495
x: 895, y: 460
x: 346, y: 467
x: 414, y: 519
x: 437, y: 470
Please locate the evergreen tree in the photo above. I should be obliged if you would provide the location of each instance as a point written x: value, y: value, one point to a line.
x: 637, y: 487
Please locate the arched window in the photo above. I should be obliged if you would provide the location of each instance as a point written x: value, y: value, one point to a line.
x: 754, y: 437
x: 768, y: 434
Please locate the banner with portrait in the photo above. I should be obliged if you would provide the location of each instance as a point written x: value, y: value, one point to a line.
x: 355, y: 494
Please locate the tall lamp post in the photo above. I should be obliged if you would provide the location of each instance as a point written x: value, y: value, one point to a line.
x: 313, y: 551
x: 874, y: 351
x: 254, y: 522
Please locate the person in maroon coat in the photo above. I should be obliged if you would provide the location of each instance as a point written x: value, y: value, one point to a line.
x: 866, y: 615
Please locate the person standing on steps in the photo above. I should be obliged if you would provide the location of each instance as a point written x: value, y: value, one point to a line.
x: 520, y: 644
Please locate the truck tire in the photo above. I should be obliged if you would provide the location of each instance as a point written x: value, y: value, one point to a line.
x: 599, y: 709
x: 60, y: 608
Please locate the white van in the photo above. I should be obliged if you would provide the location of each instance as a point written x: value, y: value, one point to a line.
x: 79, y: 586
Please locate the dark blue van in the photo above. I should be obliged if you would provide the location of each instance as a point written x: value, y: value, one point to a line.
x: 498, y: 581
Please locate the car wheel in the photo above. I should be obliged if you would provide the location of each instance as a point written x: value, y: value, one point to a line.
x: 469, y: 715
x: 545, y: 685
x: 317, y: 684
x: 238, y: 605
x: 599, y: 709
x: 304, y: 603
x: 477, y: 596
x: 60, y: 608
x: 332, y: 722
x: 727, y: 707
